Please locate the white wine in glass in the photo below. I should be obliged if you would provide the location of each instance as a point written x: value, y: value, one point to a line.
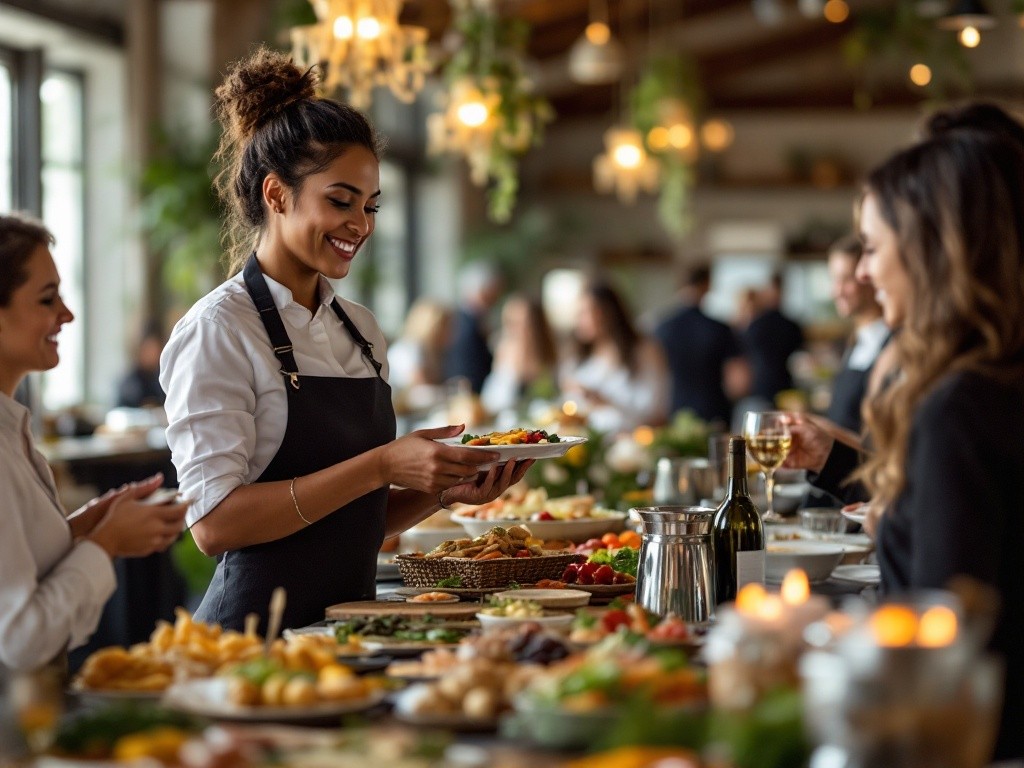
x: 769, y: 441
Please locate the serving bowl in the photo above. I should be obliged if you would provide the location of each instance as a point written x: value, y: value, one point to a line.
x: 787, y: 496
x: 815, y: 558
x: 557, y: 621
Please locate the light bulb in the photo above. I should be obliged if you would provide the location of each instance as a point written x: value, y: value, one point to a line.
x: 597, y: 32
x: 969, y: 37
x: 680, y: 136
x: 472, y: 114
x: 627, y: 156
x: 836, y: 11
x: 920, y: 74
x: 657, y: 138
x: 368, y: 28
x: 717, y: 135
x: 343, y: 28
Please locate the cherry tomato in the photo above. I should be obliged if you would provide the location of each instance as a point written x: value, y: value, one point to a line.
x: 588, y: 568
x: 544, y: 515
x: 522, y: 553
x: 611, y: 541
x: 630, y: 539
x: 614, y: 619
x: 571, y: 573
x: 604, y: 575
x: 585, y: 578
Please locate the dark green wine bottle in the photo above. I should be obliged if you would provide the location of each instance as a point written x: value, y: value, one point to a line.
x: 737, y: 531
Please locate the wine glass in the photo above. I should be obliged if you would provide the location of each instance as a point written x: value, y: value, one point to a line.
x: 768, y: 441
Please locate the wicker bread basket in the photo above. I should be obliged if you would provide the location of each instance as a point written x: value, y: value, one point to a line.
x: 482, y: 574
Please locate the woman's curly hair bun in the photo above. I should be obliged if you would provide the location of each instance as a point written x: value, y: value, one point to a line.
x: 259, y: 88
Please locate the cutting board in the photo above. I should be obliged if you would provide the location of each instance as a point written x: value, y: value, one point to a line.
x: 386, y: 607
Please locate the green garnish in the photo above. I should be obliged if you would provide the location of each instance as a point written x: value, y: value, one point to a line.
x: 452, y: 582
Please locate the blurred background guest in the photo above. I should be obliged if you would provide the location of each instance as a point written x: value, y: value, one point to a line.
x: 525, y: 360
x: 619, y: 375
x: 748, y: 306
x: 417, y: 357
x: 768, y: 342
x: 854, y: 301
x: 140, y: 387
x: 703, y: 354
x: 469, y: 356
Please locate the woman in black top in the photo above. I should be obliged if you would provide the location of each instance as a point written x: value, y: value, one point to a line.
x: 943, y: 231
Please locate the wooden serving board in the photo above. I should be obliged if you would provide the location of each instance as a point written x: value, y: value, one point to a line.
x: 391, y: 607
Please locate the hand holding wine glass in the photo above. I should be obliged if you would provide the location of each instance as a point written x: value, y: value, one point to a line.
x: 769, y: 441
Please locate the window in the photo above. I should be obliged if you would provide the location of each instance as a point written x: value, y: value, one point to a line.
x: 6, y: 135
x: 64, y: 214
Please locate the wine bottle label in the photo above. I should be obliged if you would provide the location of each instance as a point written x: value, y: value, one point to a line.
x: 749, y: 568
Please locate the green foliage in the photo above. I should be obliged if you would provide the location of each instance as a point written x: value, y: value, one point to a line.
x: 686, y: 435
x: 670, y: 78
x: 770, y: 735
x: 491, y: 55
x: 196, y: 567
x: 180, y: 214
x: 897, y: 35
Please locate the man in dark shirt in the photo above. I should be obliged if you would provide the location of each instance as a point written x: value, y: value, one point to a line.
x: 469, y: 355
x: 702, y: 353
x: 769, y: 341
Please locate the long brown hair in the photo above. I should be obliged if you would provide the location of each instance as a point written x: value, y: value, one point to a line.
x: 956, y: 204
x: 617, y: 322
x: 274, y: 123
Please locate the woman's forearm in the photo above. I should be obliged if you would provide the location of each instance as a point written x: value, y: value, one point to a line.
x: 406, y: 508
x: 262, y: 512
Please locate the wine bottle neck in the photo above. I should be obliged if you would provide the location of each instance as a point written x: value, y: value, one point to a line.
x: 737, y: 475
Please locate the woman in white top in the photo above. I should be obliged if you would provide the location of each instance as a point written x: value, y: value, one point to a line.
x: 55, y: 570
x: 281, y: 422
x: 620, y: 375
x: 525, y: 359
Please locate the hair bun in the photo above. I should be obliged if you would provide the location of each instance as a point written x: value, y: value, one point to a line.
x: 260, y: 87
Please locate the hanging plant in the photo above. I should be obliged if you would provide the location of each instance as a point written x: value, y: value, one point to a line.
x: 492, y: 116
x: 665, y: 105
x: 898, y: 36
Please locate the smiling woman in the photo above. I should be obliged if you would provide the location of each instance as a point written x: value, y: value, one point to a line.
x: 281, y: 424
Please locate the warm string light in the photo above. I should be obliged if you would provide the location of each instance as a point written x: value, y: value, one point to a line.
x: 920, y: 75
x: 360, y: 45
x: 969, y: 37
x: 624, y: 167
x: 836, y: 11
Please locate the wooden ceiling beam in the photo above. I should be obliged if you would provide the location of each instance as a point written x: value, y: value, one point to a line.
x: 729, y: 62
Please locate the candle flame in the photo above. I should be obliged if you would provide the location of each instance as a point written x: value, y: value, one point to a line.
x: 772, y: 608
x: 750, y: 598
x: 937, y: 627
x: 893, y: 626
x: 795, y: 588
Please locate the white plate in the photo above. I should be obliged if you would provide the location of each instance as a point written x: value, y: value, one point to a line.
x: 857, y: 515
x: 868, y: 575
x: 556, y: 621
x: 815, y: 558
x: 161, y: 496
x: 580, y: 529
x: 456, y: 721
x: 209, y: 698
x: 521, y: 450
x: 548, y: 598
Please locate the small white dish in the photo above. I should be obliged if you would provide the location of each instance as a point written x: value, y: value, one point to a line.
x: 857, y: 515
x: 161, y: 496
x: 548, y: 598
x: 815, y: 558
x: 600, y: 522
x: 868, y: 575
x: 556, y: 621
x: 436, y: 601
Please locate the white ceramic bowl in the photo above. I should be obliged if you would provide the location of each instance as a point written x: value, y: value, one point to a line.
x: 787, y: 496
x: 556, y: 621
x: 548, y: 598
x: 577, y: 530
x: 815, y: 558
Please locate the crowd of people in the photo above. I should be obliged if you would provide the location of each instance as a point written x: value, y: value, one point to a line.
x: 282, y: 429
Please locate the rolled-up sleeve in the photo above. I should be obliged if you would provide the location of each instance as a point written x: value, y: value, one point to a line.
x: 208, y: 376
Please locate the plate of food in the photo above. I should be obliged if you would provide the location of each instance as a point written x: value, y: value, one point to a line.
x: 868, y: 575
x: 548, y: 598
x: 573, y: 518
x: 433, y: 598
x: 413, y: 706
x: 213, y: 697
x: 516, y: 444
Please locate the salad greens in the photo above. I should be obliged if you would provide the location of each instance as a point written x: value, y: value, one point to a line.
x: 625, y: 559
x: 426, y: 628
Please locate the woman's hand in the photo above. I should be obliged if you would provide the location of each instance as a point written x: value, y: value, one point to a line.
x: 417, y: 461
x: 487, y: 487
x: 131, y: 529
x: 85, y: 518
x: 812, y: 443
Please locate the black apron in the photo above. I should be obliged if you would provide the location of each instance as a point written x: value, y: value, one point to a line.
x: 334, y: 560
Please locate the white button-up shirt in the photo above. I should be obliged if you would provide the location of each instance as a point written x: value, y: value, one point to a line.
x: 227, y: 408
x: 52, y: 590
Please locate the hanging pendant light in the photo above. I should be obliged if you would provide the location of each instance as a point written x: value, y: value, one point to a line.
x: 625, y: 168
x: 596, y: 57
x: 360, y: 44
x: 967, y: 19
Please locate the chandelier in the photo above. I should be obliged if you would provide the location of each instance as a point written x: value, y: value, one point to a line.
x: 360, y: 45
x: 625, y: 168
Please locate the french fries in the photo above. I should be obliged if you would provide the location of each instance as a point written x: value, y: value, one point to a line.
x: 497, y: 542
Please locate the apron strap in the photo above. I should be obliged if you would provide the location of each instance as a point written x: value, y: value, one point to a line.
x: 271, y: 318
x: 359, y: 339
